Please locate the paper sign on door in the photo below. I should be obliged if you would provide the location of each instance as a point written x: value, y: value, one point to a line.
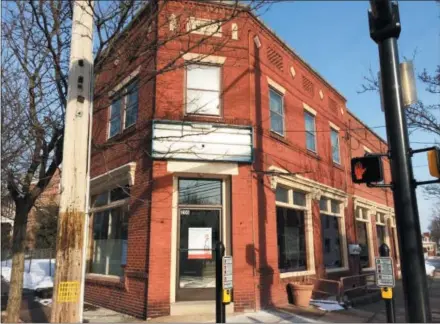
x: 200, y: 243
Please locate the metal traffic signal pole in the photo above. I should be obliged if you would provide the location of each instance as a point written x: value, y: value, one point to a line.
x: 384, y: 30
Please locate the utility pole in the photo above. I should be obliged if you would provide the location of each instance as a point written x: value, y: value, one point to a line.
x: 385, y: 30
x: 69, y: 273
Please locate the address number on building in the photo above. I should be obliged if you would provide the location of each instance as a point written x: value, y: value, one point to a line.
x: 227, y: 272
x: 384, y: 272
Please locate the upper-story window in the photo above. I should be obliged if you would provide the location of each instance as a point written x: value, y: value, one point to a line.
x: 310, y: 131
x: 203, y: 89
x: 276, y: 112
x: 124, y: 109
x: 334, y: 134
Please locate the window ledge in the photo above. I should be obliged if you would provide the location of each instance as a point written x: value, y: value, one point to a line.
x: 340, y: 269
x: 284, y: 275
x: 129, y: 130
x: 279, y: 137
x: 313, y: 154
x: 368, y: 269
x: 105, y: 280
x: 338, y: 165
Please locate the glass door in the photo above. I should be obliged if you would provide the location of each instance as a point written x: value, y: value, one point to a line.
x: 199, y: 229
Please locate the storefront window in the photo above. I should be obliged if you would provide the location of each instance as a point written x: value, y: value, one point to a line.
x: 331, y: 233
x: 291, y: 239
x: 110, y: 232
x: 362, y: 223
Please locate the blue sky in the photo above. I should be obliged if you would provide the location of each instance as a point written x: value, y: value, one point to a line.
x: 333, y: 37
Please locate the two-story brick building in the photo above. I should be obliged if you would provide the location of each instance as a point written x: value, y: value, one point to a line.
x: 243, y: 143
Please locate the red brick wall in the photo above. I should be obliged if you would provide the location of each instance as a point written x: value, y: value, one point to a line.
x: 244, y: 101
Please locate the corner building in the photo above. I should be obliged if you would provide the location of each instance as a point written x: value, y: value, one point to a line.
x: 242, y: 141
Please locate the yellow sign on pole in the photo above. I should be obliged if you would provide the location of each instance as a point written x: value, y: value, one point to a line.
x: 387, y: 293
x: 68, y: 291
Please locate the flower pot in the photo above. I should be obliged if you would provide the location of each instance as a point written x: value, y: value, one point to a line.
x: 301, y: 294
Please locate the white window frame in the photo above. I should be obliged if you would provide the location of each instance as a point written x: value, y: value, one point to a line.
x: 123, y: 95
x: 396, y: 238
x: 312, y: 113
x: 308, y: 222
x: 204, y: 61
x: 279, y: 93
x: 335, y: 129
x: 342, y: 229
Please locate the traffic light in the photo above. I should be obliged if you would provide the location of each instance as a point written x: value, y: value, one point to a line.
x: 366, y: 169
x: 434, y: 162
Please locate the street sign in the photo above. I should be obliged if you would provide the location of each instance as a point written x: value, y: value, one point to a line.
x: 366, y: 169
x: 384, y: 272
x: 227, y: 272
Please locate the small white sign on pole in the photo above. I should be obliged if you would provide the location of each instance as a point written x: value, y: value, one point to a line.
x: 227, y: 272
x: 200, y: 243
x: 385, y: 272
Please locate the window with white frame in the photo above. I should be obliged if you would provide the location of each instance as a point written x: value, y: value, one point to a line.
x: 380, y: 229
x: 291, y: 213
x: 363, y: 235
x: 203, y: 89
x: 334, y: 135
x: 331, y: 231
x: 124, y: 109
x: 109, y: 231
x: 276, y: 112
x: 310, y: 131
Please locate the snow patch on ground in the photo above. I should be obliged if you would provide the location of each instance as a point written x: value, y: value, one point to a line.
x: 326, y: 305
x: 38, y: 273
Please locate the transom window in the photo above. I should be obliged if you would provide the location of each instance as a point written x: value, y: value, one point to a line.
x: 334, y: 134
x: 200, y: 192
x: 124, y: 109
x: 291, y: 230
x: 331, y: 230
x: 203, y: 89
x: 276, y: 112
x: 109, y: 231
x: 310, y: 131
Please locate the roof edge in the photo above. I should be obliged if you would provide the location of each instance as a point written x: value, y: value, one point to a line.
x: 367, y: 127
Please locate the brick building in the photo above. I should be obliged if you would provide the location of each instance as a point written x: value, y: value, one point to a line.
x: 429, y: 246
x: 243, y: 143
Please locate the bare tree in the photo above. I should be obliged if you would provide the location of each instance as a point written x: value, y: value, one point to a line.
x: 35, y: 66
x: 434, y: 226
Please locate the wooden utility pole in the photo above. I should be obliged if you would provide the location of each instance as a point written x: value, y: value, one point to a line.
x: 69, y: 274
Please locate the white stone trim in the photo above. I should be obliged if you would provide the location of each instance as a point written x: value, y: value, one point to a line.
x: 276, y: 86
x: 292, y: 72
x: 203, y: 167
x: 257, y: 41
x: 309, y: 109
x: 321, y: 94
x: 124, y: 82
x: 202, y: 58
x: 234, y: 31
x: 125, y: 174
x: 366, y: 149
x: 336, y: 128
x: 204, y: 27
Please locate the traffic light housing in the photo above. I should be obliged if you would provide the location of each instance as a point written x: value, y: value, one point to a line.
x: 434, y: 162
x: 367, y: 169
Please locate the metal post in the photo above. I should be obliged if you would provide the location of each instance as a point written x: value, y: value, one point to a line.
x: 384, y: 30
x: 220, y: 316
x: 384, y: 251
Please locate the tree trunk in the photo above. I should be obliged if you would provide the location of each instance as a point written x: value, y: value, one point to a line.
x: 18, y: 249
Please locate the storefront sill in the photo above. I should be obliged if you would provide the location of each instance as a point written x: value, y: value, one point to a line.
x: 285, y: 275
x: 105, y: 280
x: 337, y: 270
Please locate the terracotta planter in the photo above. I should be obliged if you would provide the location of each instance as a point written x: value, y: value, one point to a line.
x: 301, y: 294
